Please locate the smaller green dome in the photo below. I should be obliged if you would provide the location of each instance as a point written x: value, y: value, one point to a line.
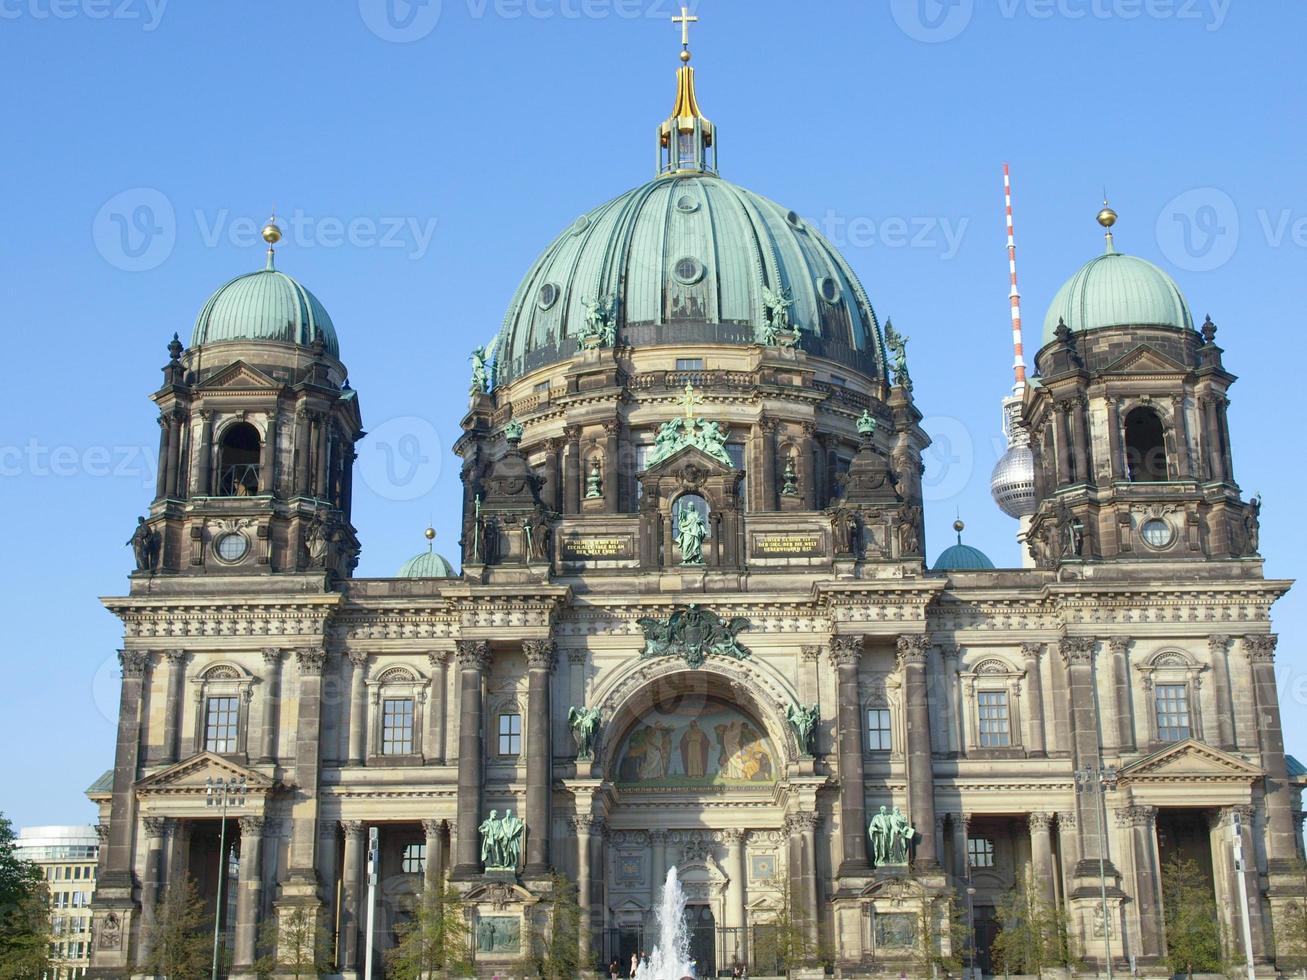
x: 264, y: 305
x: 962, y: 558
x: 1116, y: 290
x: 427, y: 565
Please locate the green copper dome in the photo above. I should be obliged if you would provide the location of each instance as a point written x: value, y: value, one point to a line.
x: 264, y: 305
x: 962, y: 558
x: 427, y: 565
x: 1116, y: 290
x: 688, y: 258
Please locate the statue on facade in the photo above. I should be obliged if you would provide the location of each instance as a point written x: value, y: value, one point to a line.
x: 480, y: 372
x: 879, y: 830
x: 910, y: 530
x: 803, y: 718
x: 844, y: 526
x: 584, y: 723
x: 790, y: 479
x: 594, y: 483
x: 690, y: 430
x: 891, y: 834
x: 537, y: 536
x: 866, y: 424
x: 599, y: 327
x: 501, y: 841
x: 690, y: 532
x: 490, y: 848
x: 1252, y: 524
x: 511, y: 829
x: 144, y: 543
x: 897, y: 345
x: 776, y: 330
x: 315, y: 541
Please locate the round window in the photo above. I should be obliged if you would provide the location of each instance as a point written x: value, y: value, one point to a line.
x: 794, y: 220
x: 688, y: 270
x: 1156, y: 533
x: 580, y: 225
x: 547, y: 296
x: 232, y: 547
x: 686, y: 204
x: 828, y: 289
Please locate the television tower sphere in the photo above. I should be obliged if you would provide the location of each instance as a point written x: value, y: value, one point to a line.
x: 1012, y: 484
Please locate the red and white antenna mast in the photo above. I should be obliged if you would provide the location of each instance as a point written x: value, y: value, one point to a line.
x: 1019, y: 357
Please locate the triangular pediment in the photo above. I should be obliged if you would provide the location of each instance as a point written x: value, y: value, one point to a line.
x: 684, y: 458
x: 1190, y: 760
x: 239, y: 376
x: 1145, y: 360
x: 188, y: 776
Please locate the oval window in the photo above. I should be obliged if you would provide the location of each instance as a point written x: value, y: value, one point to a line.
x: 795, y: 220
x: 688, y: 270
x: 580, y: 224
x: 547, y: 295
x: 686, y: 204
x: 1156, y: 533
x: 232, y: 547
x: 828, y: 289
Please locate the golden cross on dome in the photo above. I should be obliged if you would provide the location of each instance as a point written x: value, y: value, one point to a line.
x: 685, y: 20
x: 691, y: 401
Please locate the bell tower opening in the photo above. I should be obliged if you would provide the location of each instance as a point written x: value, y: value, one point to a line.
x: 1145, y: 446
x: 238, y: 461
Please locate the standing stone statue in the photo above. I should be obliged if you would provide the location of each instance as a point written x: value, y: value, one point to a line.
x: 690, y: 532
x: 879, y: 829
x: 480, y: 372
x: 804, y: 720
x: 584, y: 723
x: 510, y: 836
x: 901, y: 834
x: 491, y: 848
x: 145, y: 546
x: 1252, y: 523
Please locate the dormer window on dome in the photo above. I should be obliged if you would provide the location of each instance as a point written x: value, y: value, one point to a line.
x: 687, y: 140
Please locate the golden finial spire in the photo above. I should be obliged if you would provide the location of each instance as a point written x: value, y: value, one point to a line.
x: 430, y: 535
x: 685, y: 20
x: 271, y: 234
x: 1107, y: 218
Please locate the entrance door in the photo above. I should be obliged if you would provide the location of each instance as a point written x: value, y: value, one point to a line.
x: 987, y: 928
x: 703, y: 939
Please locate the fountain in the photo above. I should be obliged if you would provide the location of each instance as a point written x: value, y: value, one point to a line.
x: 670, y: 959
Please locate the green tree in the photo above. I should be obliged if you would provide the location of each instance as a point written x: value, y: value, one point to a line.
x: 941, y: 936
x: 787, y: 938
x: 562, y: 951
x: 1034, y: 934
x: 179, y: 940
x: 297, y: 943
x: 1193, y: 945
x: 434, y: 942
x: 24, y: 913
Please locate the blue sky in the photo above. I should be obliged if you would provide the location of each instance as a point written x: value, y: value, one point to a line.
x: 422, y: 155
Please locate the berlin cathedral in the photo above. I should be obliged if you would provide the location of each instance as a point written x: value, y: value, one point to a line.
x: 691, y: 623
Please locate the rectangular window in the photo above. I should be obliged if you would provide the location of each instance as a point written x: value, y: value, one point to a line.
x: 995, y: 731
x: 541, y: 388
x: 980, y: 852
x: 689, y: 364
x: 1172, y: 712
x: 510, y: 734
x: 397, y: 726
x: 879, y: 738
x: 839, y: 379
x: 220, y: 719
x: 415, y: 858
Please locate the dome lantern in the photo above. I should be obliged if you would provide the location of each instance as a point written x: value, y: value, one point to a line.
x: 686, y: 140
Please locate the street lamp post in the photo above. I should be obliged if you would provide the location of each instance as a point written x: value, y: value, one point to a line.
x: 222, y: 793
x: 1096, y: 781
x: 971, y: 926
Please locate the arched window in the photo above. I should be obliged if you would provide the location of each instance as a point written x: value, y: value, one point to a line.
x: 238, y: 461
x: 1145, y: 446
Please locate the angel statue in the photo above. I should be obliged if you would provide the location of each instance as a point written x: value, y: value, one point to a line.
x: 480, y: 372
x: 598, y: 323
x: 897, y: 345
x: 804, y: 720
x: 776, y: 309
x: 690, y: 532
x: 584, y: 723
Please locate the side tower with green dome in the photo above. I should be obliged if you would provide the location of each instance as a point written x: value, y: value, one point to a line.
x: 256, y: 449
x: 1128, y: 424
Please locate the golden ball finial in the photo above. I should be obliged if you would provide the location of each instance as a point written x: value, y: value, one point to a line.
x: 959, y: 526
x: 1106, y: 217
x: 271, y: 232
x: 685, y: 56
x: 429, y: 534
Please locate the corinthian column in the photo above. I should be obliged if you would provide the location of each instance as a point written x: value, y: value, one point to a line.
x: 473, y: 663
x: 736, y: 917
x: 1078, y: 656
x: 271, y: 702
x: 302, y: 862
x: 250, y: 891
x: 921, y: 770
x: 540, y: 661
x: 845, y: 653
x: 155, y: 827
x: 1217, y: 645
x: 1041, y: 854
x: 1280, y: 844
x: 357, y: 707
x: 172, y: 711
x: 1038, y: 739
x: 802, y: 828
x: 118, y: 861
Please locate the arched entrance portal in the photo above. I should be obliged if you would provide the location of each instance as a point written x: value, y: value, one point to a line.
x: 697, y: 766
